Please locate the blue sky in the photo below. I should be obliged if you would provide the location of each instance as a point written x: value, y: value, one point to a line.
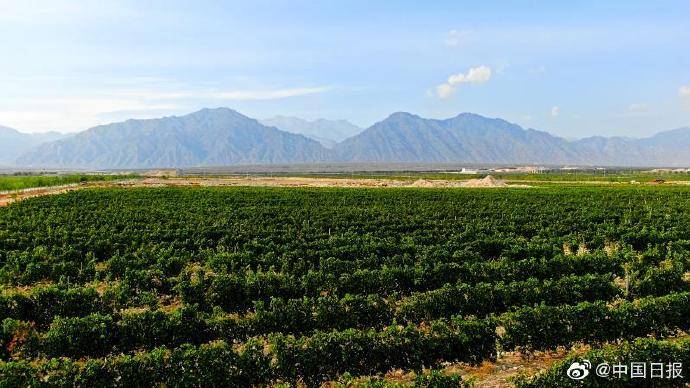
x: 576, y: 68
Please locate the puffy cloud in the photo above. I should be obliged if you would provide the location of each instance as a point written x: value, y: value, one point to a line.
x: 445, y: 91
x: 475, y: 75
x: 555, y: 111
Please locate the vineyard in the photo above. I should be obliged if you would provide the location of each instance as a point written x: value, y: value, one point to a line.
x: 18, y: 182
x: 291, y: 286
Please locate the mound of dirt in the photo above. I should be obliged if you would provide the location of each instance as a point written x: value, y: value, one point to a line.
x: 423, y: 183
x: 487, y: 181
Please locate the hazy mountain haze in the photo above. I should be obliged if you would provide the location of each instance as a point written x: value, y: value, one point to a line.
x: 14, y: 143
x: 326, y: 132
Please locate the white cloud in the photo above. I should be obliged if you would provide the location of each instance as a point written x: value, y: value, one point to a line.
x: 475, y: 75
x: 555, y: 111
x: 445, y: 91
x: 456, y: 38
x: 80, y: 109
x: 266, y: 94
x: 684, y: 91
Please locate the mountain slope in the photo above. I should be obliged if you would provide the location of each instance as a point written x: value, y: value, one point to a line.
x: 14, y: 143
x: 404, y: 137
x: 208, y: 137
x: 225, y: 137
x: 669, y: 148
x: 470, y: 138
x: 326, y: 132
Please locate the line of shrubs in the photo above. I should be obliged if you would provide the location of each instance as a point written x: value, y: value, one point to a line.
x: 488, y: 298
x: 102, y: 333
x: 643, y: 350
x: 547, y: 327
x: 237, y: 291
x: 271, y: 359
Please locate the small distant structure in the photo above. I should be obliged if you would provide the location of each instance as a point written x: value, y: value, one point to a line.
x: 658, y: 181
x: 521, y: 169
x: 532, y: 169
x: 669, y: 170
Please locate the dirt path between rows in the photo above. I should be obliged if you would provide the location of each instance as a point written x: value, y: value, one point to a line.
x: 500, y: 374
x: 497, y: 374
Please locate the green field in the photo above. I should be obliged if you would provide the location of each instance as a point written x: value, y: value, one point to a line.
x: 18, y: 182
x: 243, y: 286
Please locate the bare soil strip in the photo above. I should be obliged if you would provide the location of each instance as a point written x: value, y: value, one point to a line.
x: 9, y: 197
x: 268, y: 181
x: 499, y: 374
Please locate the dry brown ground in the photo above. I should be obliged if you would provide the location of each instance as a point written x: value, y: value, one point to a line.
x: 7, y: 198
x: 159, y: 180
x: 320, y: 182
x: 508, y: 366
x: 497, y: 374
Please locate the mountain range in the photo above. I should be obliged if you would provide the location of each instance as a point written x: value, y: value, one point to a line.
x: 207, y: 137
x: 326, y: 132
x: 14, y: 143
x: 216, y: 137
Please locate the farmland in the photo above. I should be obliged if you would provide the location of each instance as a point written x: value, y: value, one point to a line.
x: 18, y: 182
x: 207, y: 286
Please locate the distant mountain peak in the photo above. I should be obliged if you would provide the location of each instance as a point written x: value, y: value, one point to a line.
x: 402, y: 116
x: 222, y: 136
x: 220, y: 109
x: 217, y: 112
x: 8, y: 130
x: 471, y: 115
x: 327, y: 132
x: 219, y: 136
x: 683, y: 131
x: 13, y: 143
